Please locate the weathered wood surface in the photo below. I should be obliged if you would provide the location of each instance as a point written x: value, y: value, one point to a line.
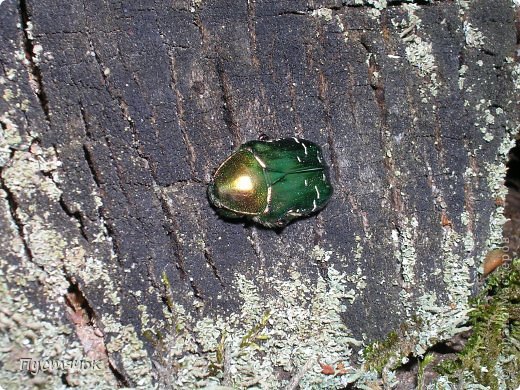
x: 115, y: 114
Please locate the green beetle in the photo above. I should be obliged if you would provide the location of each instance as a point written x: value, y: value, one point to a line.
x: 271, y: 182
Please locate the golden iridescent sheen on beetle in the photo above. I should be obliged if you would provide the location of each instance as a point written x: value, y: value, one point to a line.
x: 271, y: 182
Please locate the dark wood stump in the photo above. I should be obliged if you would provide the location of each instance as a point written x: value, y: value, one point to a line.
x: 114, y: 116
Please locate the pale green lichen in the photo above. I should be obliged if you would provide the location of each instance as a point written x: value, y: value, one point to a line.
x: 325, y: 13
x: 40, y: 249
x: 195, y: 4
x: 431, y: 320
x: 7, y: 95
x: 486, y: 118
x: 406, y: 256
x: 37, y: 53
x: 299, y: 322
x: 378, y: 4
x: 342, y: 28
x: 495, y: 322
x: 24, y: 174
x: 359, y: 281
x: 145, y: 317
x: 419, y: 53
x: 96, y: 272
x: 515, y: 73
x: 463, y: 5
x: 377, y: 7
x: 26, y: 332
x: 135, y: 360
x: 456, y: 270
x: 320, y: 254
x: 37, y: 252
x: 462, y: 72
x: 496, y: 173
x: 436, y: 319
x: 10, y: 138
x: 474, y: 38
x: 465, y: 219
x: 11, y: 74
x: 358, y: 252
x: 431, y: 323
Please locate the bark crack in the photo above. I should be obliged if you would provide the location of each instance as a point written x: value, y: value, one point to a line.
x: 376, y: 83
x: 123, y: 106
x: 254, y: 240
x: 33, y: 67
x: 171, y: 232
x: 206, y: 251
x: 13, y: 211
x: 90, y: 162
x: 190, y: 150
x: 107, y: 229
x: 180, y: 115
x: 334, y: 9
x: 228, y: 104
x: 323, y: 96
x: 211, y: 262
x: 251, y: 20
x: 74, y: 214
x: 171, y: 228
x: 197, y: 21
x: 298, y: 126
x: 80, y: 312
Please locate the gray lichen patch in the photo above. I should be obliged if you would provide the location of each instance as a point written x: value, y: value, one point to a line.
x: 28, y: 333
x: 426, y: 312
x: 495, y: 176
x: 419, y: 53
x: 325, y: 13
x: 95, y: 272
x: 23, y: 178
x: 24, y: 174
x: 436, y: 317
x: 355, y: 282
x: 133, y: 356
x: 34, y: 251
x: 474, y: 38
x: 406, y: 256
x: 10, y: 138
x: 456, y: 270
x: 515, y: 73
x: 429, y: 318
x: 299, y: 325
x: 39, y: 242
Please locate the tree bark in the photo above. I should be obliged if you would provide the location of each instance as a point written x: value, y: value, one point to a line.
x: 114, y: 116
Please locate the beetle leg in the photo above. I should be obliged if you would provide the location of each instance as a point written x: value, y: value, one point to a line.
x: 263, y: 137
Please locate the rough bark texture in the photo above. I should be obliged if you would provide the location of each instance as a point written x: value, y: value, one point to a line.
x: 113, y: 117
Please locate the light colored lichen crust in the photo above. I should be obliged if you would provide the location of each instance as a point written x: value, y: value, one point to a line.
x: 298, y: 326
x: 432, y: 318
x: 43, y: 255
x: 32, y: 253
x: 34, y: 348
x: 294, y: 330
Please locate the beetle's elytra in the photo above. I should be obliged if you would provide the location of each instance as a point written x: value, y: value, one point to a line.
x: 271, y: 182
